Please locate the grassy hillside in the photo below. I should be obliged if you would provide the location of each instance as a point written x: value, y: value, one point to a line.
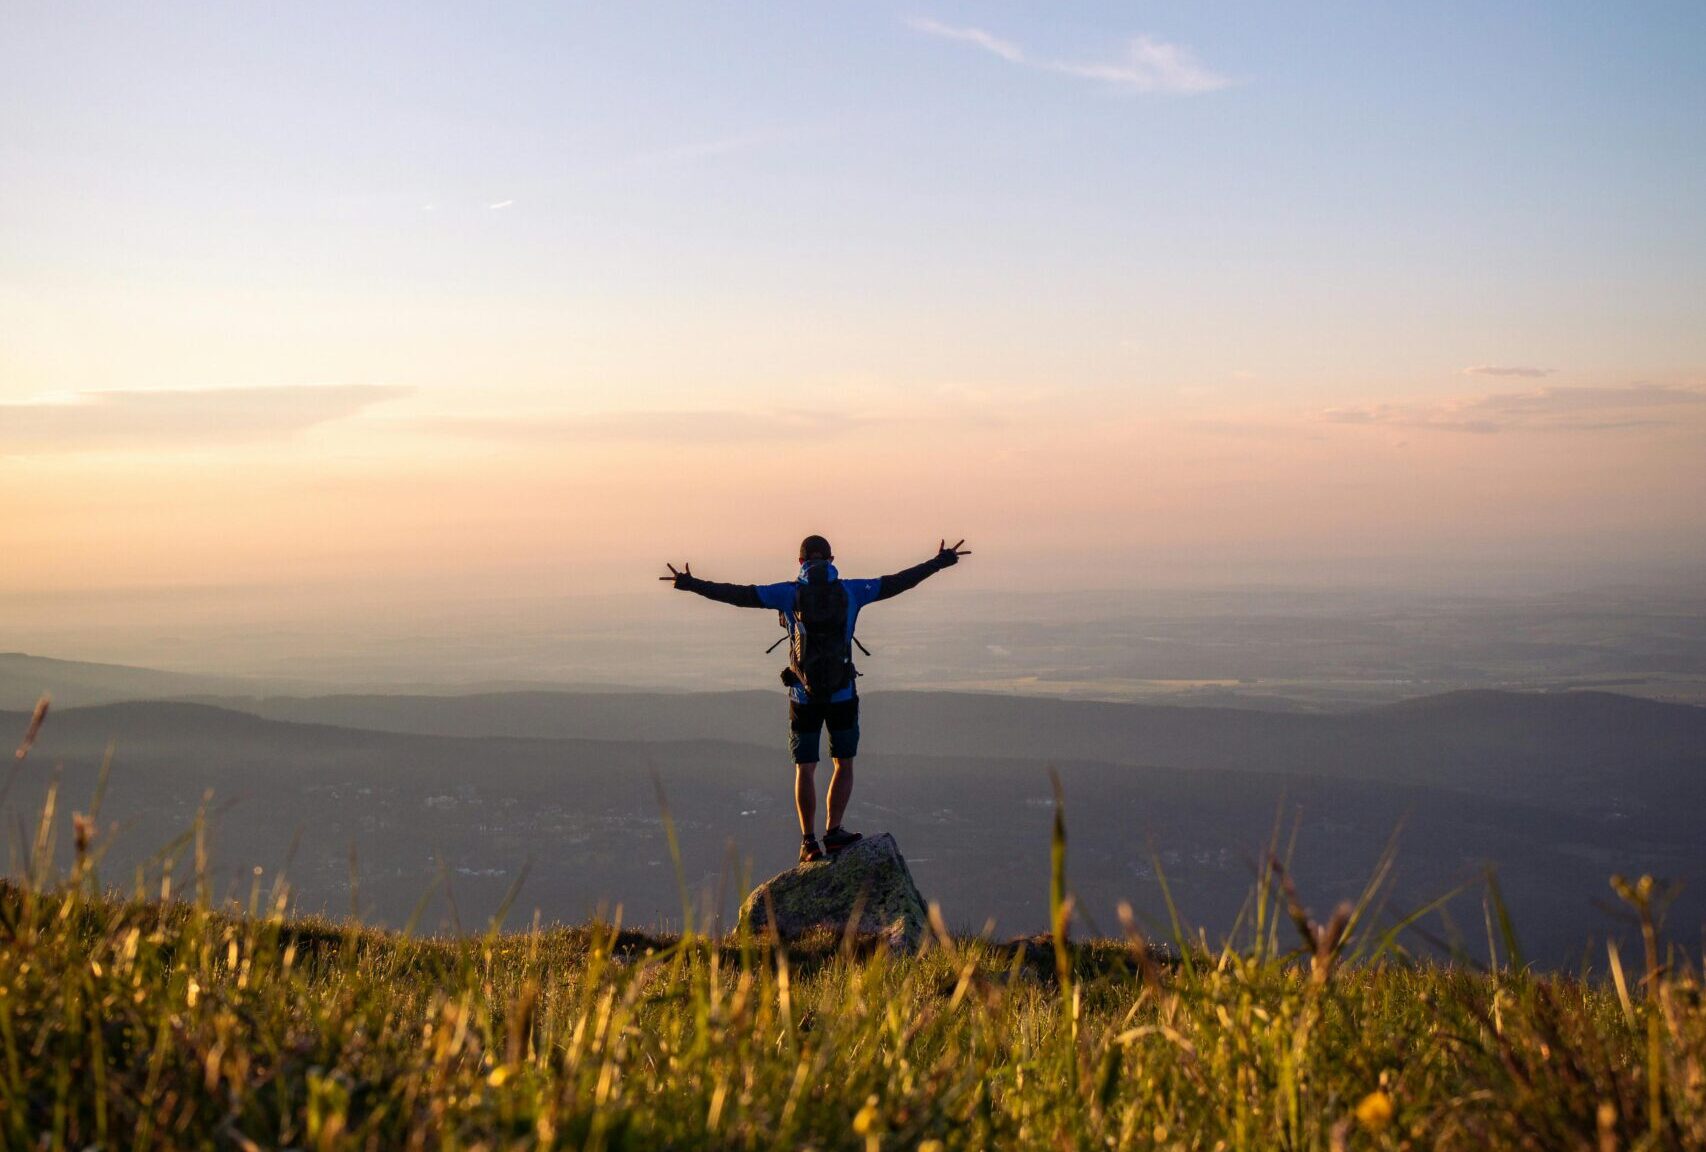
x: 159, y: 1024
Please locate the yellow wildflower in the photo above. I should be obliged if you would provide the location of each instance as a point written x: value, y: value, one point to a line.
x: 1375, y: 1111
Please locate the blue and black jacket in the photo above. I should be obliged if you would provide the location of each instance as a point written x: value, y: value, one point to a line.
x: 780, y: 598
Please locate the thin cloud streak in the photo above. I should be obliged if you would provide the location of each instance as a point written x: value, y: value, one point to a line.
x: 1501, y: 370
x: 686, y: 427
x: 1585, y: 409
x: 174, y: 418
x: 988, y: 41
x: 702, y: 150
x: 1149, y: 66
x: 683, y: 155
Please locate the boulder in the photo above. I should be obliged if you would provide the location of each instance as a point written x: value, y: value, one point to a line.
x: 869, y: 878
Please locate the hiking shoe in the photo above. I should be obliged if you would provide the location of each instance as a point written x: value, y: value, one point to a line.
x: 810, y: 853
x: 838, y: 838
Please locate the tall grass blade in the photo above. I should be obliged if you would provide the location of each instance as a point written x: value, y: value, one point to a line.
x: 674, y: 854
x: 1507, y: 929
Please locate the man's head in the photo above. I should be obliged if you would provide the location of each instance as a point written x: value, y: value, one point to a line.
x: 815, y: 548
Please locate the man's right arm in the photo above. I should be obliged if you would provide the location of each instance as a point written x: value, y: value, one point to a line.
x: 779, y: 597
x: 740, y: 595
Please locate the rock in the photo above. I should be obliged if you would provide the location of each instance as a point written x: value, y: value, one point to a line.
x: 870, y: 877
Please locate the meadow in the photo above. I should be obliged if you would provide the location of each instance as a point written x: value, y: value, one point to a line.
x: 159, y: 1020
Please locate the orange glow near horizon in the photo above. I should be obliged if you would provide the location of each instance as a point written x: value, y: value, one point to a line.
x: 1055, y: 492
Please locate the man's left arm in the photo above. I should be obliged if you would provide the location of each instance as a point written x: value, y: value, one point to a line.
x: 908, y: 578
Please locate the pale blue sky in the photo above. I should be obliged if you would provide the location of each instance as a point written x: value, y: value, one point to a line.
x: 1431, y: 179
x: 1214, y: 213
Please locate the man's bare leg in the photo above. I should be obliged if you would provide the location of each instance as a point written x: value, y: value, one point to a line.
x: 840, y: 791
x: 805, y: 793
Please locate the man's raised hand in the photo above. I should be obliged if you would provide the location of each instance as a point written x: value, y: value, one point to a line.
x: 946, y: 555
x: 680, y: 579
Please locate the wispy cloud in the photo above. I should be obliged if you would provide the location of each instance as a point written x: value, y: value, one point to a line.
x: 1506, y: 370
x: 683, y: 155
x: 693, y: 426
x: 1148, y: 64
x: 1543, y: 409
x: 1270, y: 430
x: 174, y: 418
x: 988, y: 41
x: 501, y: 204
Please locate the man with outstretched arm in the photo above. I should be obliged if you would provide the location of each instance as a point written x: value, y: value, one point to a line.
x: 820, y: 610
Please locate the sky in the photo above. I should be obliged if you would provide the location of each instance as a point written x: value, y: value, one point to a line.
x: 475, y: 302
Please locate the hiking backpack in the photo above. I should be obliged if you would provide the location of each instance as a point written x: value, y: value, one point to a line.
x: 818, y: 652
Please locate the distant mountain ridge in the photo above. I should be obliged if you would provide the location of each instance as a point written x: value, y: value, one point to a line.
x: 1571, y: 749
x: 77, y: 683
x: 1565, y: 745
x: 82, y: 683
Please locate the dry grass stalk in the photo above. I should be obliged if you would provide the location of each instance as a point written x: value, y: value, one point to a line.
x: 34, y: 729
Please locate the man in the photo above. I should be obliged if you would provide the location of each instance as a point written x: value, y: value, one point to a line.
x: 820, y: 609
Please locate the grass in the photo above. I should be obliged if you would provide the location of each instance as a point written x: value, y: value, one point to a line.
x: 157, y: 1023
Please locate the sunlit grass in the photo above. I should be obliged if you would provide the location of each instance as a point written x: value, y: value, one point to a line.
x: 148, y: 1023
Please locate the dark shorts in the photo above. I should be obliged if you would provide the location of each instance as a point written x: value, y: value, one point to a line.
x: 805, y: 721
